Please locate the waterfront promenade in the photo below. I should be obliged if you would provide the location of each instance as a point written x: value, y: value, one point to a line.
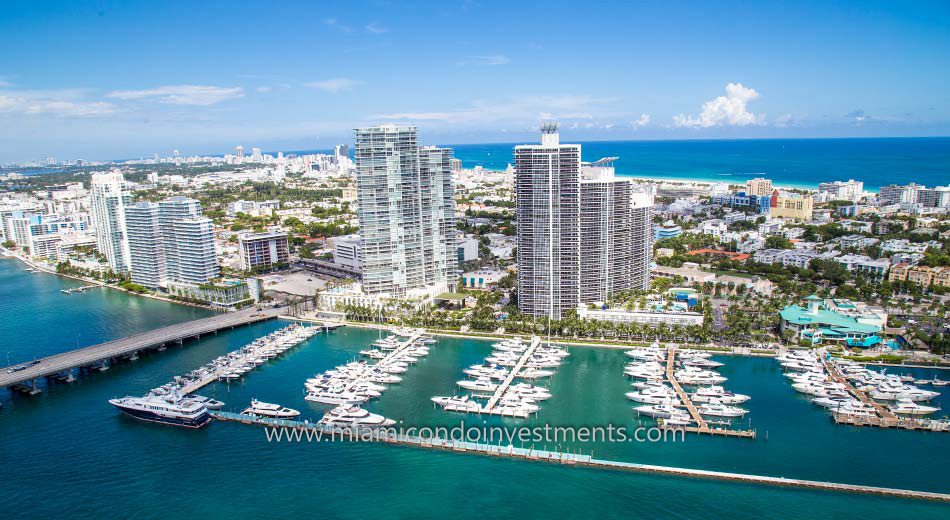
x: 129, y: 346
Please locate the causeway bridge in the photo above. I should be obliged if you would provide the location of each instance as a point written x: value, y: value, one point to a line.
x: 61, y: 366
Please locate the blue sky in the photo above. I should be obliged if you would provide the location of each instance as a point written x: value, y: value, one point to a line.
x: 109, y: 79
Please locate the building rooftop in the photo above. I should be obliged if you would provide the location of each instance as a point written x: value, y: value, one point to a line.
x: 829, y: 322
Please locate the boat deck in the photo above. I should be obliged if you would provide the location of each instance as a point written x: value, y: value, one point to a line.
x: 701, y: 425
x: 213, y: 376
x: 503, y: 387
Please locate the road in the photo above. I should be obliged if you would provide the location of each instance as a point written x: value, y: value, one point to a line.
x: 173, y: 333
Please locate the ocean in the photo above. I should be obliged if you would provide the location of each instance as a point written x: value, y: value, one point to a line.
x: 799, y: 163
x: 68, y: 452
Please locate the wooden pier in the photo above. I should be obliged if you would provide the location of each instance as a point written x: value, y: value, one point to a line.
x: 101, y: 354
x: 503, y: 387
x: 888, y: 417
x: 389, y: 436
x: 701, y: 425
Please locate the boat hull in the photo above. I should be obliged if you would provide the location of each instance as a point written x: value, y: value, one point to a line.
x: 144, y: 415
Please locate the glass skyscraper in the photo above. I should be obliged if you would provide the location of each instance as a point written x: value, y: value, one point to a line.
x: 406, y: 212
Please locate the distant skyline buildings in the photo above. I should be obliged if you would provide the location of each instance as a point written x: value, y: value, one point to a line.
x: 59, y: 98
x: 406, y: 210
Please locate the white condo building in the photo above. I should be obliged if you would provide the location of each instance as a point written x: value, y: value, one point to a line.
x: 170, y: 241
x: 616, y: 233
x: 406, y: 212
x: 851, y: 190
x: 583, y: 234
x: 146, y: 256
x: 188, y: 241
x: 109, y: 196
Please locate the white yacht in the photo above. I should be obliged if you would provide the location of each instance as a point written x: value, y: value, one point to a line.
x: 701, y: 362
x: 482, y: 384
x: 654, y: 395
x: 661, y: 411
x: 534, y: 373
x: 488, y: 370
x: 167, y: 409
x: 270, y: 410
x: 458, y: 404
x: 891, y: 391
x: 335, y: 395
x: 908, y: 407
x: 526, y: 391
x: 717, y: 409
x: 349, y: 416
x: 709, y: 393
x: 211, y: 404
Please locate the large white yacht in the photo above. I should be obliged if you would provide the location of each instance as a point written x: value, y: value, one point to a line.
x: 709, y: 393
x: 165, y: 409
x: 908, y: 407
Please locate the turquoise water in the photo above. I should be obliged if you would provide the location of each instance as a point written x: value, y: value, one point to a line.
x: 68, y: 452
x: 788, y: 162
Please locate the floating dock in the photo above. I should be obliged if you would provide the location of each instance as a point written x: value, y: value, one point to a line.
x: 702, y: 426
x: 573, y: 459
x: 503, y: 387
x: 885, y: 418
x: 196, y: 385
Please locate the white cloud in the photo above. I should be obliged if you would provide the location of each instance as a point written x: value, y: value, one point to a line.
x: 641, y: 122
x: 65, y: 103
x: 375, y: 28
x: 4, y: 83
x: 198, y: 95
x: 787, y: 121
x: 525, y: 111
x: 729, y: 110
x: 495, y: 59
x: 334, y: 85
x: 263, y: 90
x: 333, y: 22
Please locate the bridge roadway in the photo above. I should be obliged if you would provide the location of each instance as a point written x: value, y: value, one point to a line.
x: 177, y: 333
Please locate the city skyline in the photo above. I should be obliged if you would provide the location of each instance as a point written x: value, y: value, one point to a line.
x: 233, y: 74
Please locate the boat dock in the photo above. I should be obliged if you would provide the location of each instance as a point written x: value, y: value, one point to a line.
x: 885, y: 418
x: 702, y: 426
x: 80, y: 289
x: 512, y: 374
x: 393, y: 355
x: 294, y: 431
x: 215, y: 375
x: 100, y: 356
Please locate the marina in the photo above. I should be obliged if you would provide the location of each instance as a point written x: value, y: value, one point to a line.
x: 857, y: 396
x: 512, y: 359
x: 173, y: 403
x: 801, y: 444
x: 351, y: 385
x: 658, y: 367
